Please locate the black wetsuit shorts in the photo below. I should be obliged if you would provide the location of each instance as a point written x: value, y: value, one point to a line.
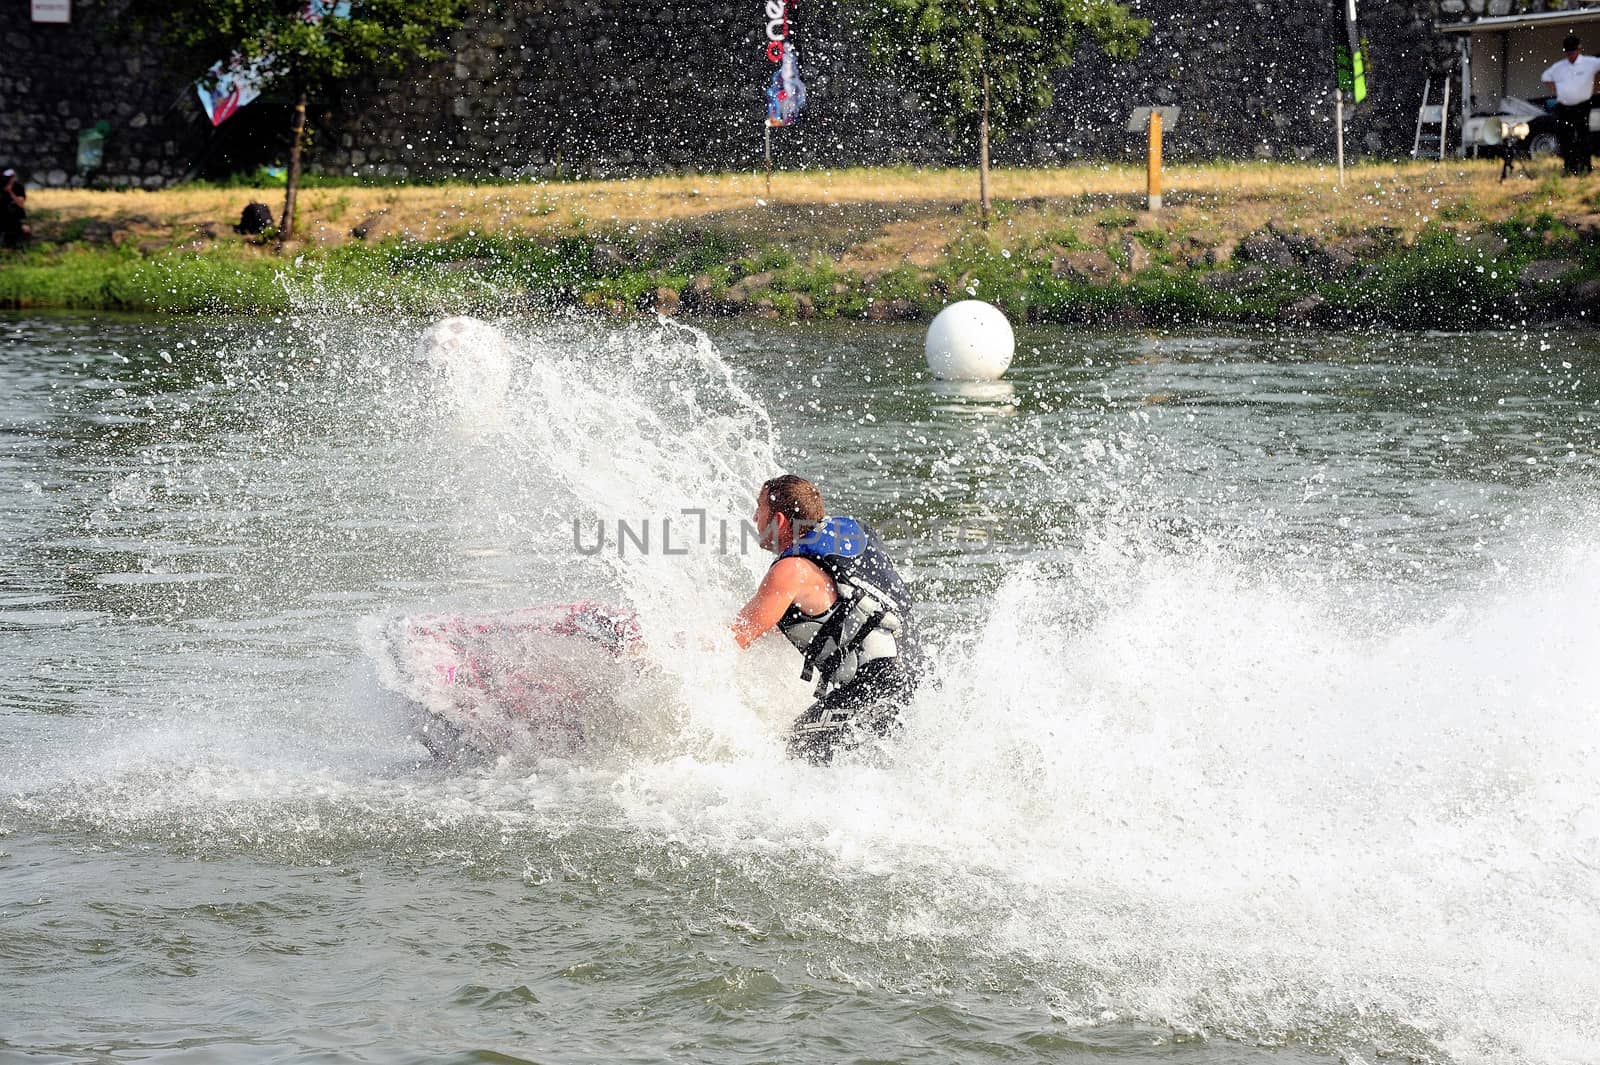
x: 868, y: 706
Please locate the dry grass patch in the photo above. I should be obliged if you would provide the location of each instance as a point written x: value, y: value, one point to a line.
x: 868, y: 218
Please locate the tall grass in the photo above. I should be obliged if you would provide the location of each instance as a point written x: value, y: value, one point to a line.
x: 119, y: 279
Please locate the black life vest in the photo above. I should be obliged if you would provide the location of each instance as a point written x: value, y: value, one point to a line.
x: 871, y: 619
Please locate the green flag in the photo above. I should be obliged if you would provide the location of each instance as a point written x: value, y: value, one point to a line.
x: 1352, y: 67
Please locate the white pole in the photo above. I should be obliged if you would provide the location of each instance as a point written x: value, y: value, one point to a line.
x: 1444, y: 120
x: 768, y: 129
x: 1338, y: 131
x: 1353, y: 38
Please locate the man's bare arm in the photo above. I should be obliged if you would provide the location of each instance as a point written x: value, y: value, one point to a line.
x: 790, y: 582
x: 772, y: 598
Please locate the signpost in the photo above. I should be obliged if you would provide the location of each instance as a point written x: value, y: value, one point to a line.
x: 1151, y: 121
x: 1350, y: 65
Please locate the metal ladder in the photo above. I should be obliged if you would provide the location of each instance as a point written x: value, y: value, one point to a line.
x: 1433, y: 121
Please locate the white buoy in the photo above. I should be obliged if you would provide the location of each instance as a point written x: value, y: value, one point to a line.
x: 455, y: 344
x: 471, y: 358
x: 970, y: 341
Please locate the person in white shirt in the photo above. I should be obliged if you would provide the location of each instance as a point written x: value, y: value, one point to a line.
x: 1572, y: 80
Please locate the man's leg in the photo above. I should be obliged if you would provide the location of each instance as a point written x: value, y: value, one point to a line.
x: 1571, y: 137
x: 816, y: 734
x: 1582, y: 137
x: 844, y: 718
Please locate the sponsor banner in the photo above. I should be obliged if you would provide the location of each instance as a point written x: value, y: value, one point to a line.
x: 234, y: 82
x: 786, y: 93
x: 225, y: 89
x: 1350, y: 59
x: 317, y: 10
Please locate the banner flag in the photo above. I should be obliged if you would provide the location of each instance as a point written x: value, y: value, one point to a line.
x: 786, y: 93
x: 226, y: 89
x: 1350, y: 60
x: 232, y: 83
x: 1352, y: 70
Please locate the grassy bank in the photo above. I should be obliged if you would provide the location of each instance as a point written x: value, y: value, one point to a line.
x: 1416, y: 244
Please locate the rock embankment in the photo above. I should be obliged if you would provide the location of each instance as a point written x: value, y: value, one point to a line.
x: 1445, y: 277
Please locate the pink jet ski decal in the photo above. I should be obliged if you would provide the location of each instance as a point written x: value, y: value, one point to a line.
x: 512, y: 680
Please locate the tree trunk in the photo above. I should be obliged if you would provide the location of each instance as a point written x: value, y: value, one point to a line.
x: 292, y: 185
x: 983, y: 155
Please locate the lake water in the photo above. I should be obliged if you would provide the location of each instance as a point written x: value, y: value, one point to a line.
x: 1262, y: 727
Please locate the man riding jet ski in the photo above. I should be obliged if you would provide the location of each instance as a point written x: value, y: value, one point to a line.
x: 834, y: 593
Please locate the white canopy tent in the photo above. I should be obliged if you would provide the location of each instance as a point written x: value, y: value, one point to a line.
x: 1503, y: 56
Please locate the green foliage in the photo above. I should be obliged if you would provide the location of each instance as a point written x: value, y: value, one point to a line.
x: 1067, y: 239
x: 506, y: 263
x: 699, y: 251
x: 379, y: 35
x: 1438, y: 279
x: 1549, y: 187
x: 977, y: 267
x: 950, y: 50
x: 1534, y: 232
x: 834, y: 293
x: 1460, y: 212
x: 190, y: 282
x: 263, y: 177
x: 624, y: 290
x: 121, y: 279
x: 906, y: 282
x: 1154, y: 239
x: 772, y: 257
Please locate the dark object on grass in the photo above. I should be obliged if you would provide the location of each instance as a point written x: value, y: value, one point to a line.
x: 1513, y: 153
x: 14, y: 231
x: 254, y: 220
x: 1511, y: 142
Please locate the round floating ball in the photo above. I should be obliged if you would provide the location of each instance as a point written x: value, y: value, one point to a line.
x: 453, y: 345
x: 471, y: 358
x: 970, y: 341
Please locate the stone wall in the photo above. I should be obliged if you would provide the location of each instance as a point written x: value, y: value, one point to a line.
x: 530, y: 87
x: 58, y: 80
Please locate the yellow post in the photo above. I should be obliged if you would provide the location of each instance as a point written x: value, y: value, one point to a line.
x: 1154, y: 179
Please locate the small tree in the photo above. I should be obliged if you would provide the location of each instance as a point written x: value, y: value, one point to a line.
x: 986, y: 65
x: 303, y: 56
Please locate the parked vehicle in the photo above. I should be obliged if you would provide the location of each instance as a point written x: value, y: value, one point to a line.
x: 1512, y: 113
